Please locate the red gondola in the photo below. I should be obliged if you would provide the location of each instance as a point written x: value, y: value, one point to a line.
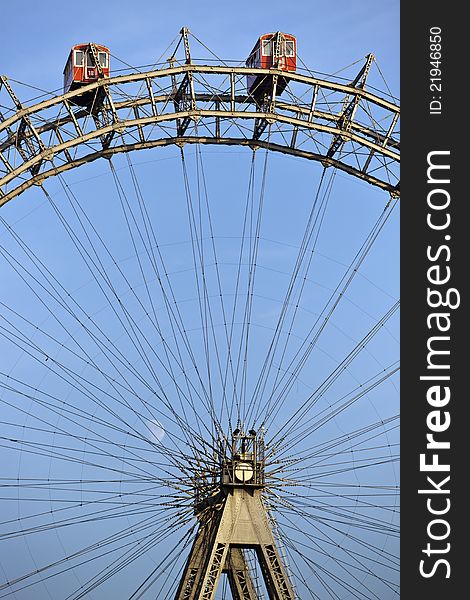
x: 272, y: 51
x: 86, y: 63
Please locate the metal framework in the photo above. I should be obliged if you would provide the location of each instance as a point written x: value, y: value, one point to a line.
x: 342, y: 126
x: 345, y: 126
x: 233, y: 518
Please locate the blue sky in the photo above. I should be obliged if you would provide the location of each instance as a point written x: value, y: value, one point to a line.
x: 38, y: 37
x: 330, y: 36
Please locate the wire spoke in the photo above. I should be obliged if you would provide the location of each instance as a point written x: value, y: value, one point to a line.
x: 200, y: 333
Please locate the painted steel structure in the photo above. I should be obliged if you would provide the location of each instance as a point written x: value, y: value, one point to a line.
x: 343, y: 126
x: 232, y: 520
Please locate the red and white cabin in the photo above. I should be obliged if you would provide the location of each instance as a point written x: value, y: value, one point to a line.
x: 80, y: 68
x: 272, y: 51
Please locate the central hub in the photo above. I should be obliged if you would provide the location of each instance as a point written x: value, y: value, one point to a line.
x: 240, y: 465
x: 243, y: 461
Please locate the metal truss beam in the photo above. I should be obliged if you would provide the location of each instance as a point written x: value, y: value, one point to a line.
x: 350, y: 107
x: 107, y: 153
x: 152, y: 117
x: 240, y: 523
x: 215, y: 70
x: 220, y: 100
x: 239, y: 576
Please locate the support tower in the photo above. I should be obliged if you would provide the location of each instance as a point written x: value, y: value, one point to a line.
x: 234, y: 518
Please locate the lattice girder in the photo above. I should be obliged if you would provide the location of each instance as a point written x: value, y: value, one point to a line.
x: 158, y: 108
x: 241, y: 522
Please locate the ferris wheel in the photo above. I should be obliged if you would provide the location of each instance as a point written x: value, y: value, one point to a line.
x: 199, y: 343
